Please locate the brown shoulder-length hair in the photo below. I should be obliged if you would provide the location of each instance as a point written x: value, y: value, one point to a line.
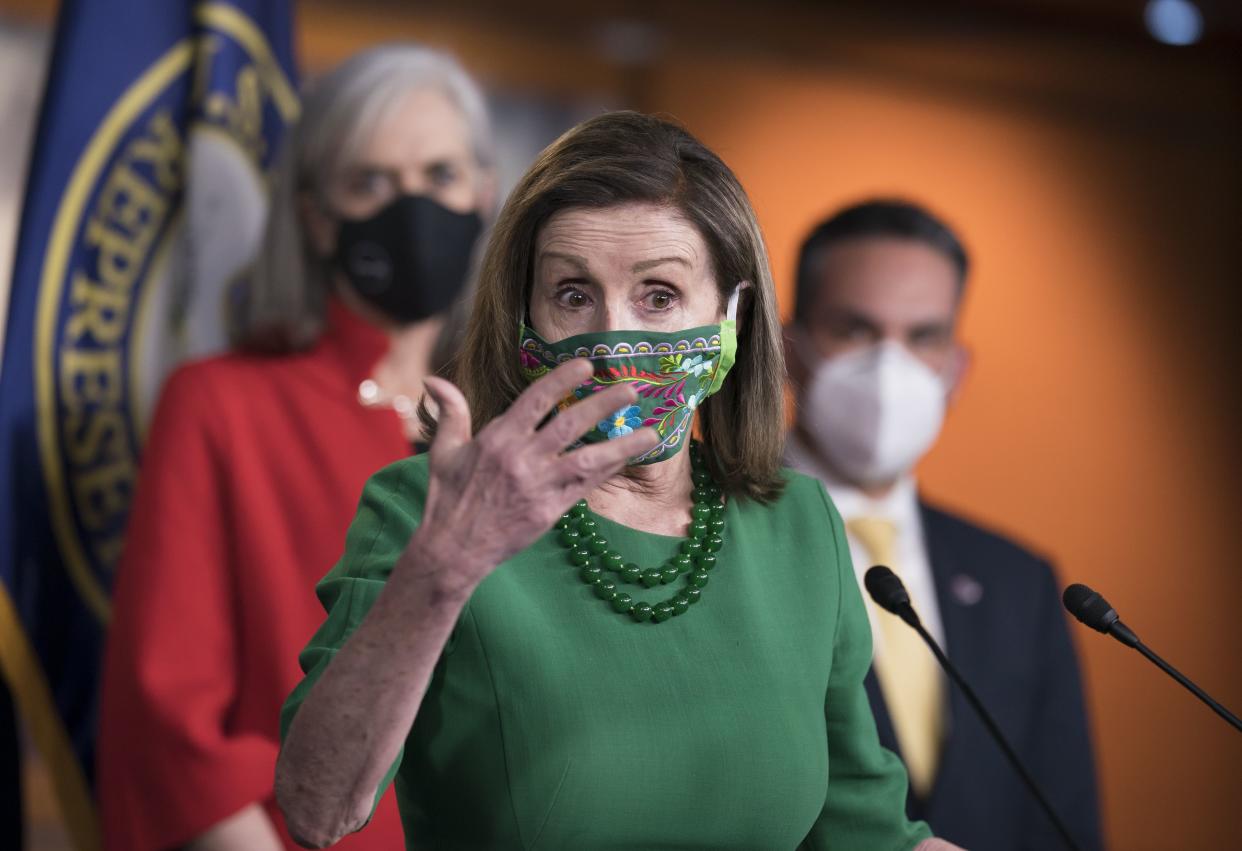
x: 622, y: 158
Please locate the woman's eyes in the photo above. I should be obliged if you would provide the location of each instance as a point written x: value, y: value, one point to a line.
x: 372, y: 184
x: 442, y: 175
x: 572, y: 297
x: 660, y: 299
x: 656, y: 300
x: 376, y: 183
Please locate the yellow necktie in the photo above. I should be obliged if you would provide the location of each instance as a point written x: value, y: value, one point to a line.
x: 911, y: 682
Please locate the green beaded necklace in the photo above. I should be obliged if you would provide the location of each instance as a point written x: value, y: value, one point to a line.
x: 603, y: 568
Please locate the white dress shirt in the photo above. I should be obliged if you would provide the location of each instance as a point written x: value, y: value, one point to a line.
x: 900, y: 506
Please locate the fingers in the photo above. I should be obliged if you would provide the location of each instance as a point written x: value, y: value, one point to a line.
x: 453, y: 427
x: 581, y: 417
x: 525, y: 414
x: 585, y: 469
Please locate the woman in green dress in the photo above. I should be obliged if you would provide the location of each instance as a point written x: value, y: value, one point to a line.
x: 571, y: 625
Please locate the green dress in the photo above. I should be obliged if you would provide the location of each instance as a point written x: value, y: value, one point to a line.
x: 551, y: 721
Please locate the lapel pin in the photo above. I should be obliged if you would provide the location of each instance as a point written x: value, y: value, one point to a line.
x: 966, y: 589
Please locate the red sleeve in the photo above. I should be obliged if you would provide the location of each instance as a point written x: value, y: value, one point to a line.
x: 167, y: 768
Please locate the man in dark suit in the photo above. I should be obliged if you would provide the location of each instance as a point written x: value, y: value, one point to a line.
x: 874, y: 360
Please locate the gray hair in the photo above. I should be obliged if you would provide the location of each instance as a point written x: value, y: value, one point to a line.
x: 284, y: 302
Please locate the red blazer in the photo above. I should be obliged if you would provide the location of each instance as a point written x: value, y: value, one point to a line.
x: 250, y: 477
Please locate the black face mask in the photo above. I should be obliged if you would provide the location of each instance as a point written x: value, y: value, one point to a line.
x: 410, y: 260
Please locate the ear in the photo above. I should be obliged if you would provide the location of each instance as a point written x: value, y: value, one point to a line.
x: 320, y: 228
x: 795, y: 369
x: 489, y: 189
x: 961, y: 360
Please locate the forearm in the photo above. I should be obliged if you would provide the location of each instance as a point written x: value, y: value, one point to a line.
x: 353, y: 722
x: 249, y: 828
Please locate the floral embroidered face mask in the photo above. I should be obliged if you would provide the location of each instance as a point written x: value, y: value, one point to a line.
x: 672, y: 371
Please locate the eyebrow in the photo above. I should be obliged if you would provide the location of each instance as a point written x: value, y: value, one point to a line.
x: 845, y: 314
x: 391, y: 168
x: 358, y: 167
x: 932, y: 326
x: 644, y: 265
x: 583, y: 266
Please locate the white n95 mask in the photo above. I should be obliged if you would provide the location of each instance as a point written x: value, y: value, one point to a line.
x: 873, y: 412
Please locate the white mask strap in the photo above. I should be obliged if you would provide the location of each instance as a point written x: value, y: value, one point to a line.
x: 731, y: 310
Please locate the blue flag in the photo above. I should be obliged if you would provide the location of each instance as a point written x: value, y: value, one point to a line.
x: 145, y: 200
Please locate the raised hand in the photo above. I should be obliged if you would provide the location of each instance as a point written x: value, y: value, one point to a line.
x: 492, y: 495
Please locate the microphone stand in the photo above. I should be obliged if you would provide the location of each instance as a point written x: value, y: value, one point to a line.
x: 912, y: 618
x: 1185, y: 681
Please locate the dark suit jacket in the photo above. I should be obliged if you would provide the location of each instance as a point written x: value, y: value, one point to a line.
x: 1005, y: 631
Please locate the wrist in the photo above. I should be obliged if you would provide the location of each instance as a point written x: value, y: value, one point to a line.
x: 441, y: 567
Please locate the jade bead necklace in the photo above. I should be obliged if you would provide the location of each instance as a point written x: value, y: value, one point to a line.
x: 606, y: 570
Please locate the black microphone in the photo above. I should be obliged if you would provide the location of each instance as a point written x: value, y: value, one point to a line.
x: 1093, y: 610
x: 886, y: 588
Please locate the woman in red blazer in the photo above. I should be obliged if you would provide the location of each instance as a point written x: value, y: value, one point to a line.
x: 255, y: 459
